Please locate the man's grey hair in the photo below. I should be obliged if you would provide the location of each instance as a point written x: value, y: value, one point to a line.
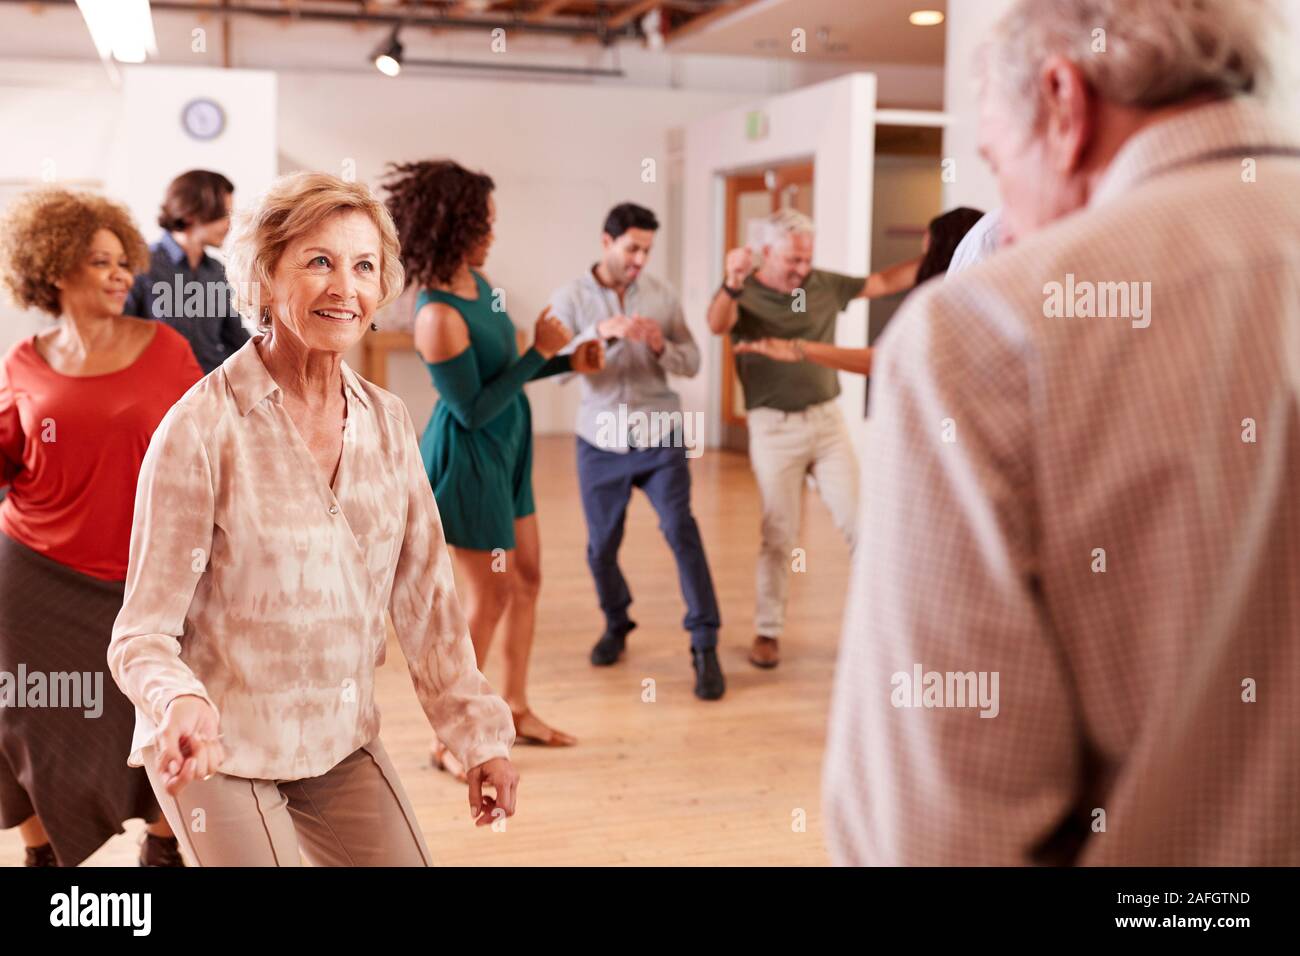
x: 785, y: 222
x: 1136, y: 53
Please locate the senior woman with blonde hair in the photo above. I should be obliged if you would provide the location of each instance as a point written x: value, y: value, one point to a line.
x: 282, y: 509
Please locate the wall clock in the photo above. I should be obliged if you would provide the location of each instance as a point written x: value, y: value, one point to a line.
x: 203, y: 119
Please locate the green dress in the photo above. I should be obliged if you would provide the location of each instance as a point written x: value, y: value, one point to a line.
x: 478, y: 445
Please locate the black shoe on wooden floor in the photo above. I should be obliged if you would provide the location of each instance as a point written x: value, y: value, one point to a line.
x: 709, y: 682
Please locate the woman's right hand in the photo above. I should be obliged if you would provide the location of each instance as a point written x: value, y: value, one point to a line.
x: 189, y: 743
x: 550, y: 334
x: 781, y: 350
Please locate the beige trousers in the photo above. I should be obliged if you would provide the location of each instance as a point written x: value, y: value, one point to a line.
x: 785, y: 448
x: 355, y: 814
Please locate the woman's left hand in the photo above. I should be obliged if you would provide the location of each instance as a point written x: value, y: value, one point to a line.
x: 589, y: 357
x: 782, y: 350
x: 499, y: 774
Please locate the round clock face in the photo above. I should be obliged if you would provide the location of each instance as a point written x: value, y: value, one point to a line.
x: 203, y: 119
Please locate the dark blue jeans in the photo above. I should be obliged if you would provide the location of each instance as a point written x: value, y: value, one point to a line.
x: 607, y: 479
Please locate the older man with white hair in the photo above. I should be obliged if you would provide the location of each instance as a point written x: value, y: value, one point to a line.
x: 1074, y: 638
x: 795, y: 425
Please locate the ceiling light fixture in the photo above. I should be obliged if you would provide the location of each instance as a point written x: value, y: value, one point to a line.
x: 120, y: 29
x: 388, y: 55
x: 925, y: 18
x: 652, y: 27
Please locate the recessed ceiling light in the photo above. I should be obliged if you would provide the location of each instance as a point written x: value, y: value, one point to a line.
x: 925, y: 18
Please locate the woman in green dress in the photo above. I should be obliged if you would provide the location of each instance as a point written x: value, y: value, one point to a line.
x: 478, y: 446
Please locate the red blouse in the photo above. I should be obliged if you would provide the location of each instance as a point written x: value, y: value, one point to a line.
x: 71, y: 447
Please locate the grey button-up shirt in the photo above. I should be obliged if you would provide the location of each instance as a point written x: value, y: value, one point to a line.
x: 633, y: 375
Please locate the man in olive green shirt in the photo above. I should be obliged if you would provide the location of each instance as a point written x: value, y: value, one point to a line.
x: 795, y: 425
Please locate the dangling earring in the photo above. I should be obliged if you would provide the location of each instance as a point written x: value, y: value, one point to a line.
x: 264, y: 324
x: 374, y: 327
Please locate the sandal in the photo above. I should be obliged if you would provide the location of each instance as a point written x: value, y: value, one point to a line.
x: 553, y: 738
x: 441, y: 757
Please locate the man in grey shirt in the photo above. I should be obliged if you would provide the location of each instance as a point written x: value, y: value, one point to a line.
x: 632, y: 432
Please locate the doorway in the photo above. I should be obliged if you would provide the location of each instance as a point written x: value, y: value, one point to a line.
x: 906, y: 194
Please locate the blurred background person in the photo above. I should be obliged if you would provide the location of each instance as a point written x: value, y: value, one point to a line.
x: 79, y: 403
x: 983, y: 239
x: 184, y: 285
x: 478, y: 445
x: 795, y: 426
x: 944, y: 235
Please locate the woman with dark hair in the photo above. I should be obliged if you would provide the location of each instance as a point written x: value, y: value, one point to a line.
x: 184, y: 286
x: 79, y: 403
x: 942, y: 237
x: 478, y: 446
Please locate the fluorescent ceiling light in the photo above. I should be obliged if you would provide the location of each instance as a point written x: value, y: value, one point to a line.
x: 121, y: 29
x: 925, y: 18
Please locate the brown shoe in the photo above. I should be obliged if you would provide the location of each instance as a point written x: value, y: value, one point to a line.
x: 765, y: 653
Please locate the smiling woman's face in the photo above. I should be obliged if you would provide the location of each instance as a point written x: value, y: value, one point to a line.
x: 326, y: 284
x: 100, y: 285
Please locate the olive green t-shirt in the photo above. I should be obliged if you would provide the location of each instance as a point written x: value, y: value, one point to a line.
x: 763, y: 312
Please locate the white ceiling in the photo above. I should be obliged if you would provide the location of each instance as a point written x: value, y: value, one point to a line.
x: 875, y: 31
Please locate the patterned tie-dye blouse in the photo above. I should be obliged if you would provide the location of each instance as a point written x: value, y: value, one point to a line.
x: 255, y: 585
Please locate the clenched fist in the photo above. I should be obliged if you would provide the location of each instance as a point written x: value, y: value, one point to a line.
x: 738, y: 264
x: 550, y: 334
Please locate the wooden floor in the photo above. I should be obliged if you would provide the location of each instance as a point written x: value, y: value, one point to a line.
x: 676, y: 781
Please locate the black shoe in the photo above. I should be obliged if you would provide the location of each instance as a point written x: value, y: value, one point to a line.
x: 160, y: 851
x: 709, y: 683
x: 610, y: 647
x: 42, y: 855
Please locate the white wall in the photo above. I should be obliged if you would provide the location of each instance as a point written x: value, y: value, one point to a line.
x: 832, y: 123
x: 150, y: 146
x: 967, y: 24
x: 72, y: 127
x: 561, y: 156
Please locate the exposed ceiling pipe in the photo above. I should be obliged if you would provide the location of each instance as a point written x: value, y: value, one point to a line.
x: 578, y: 27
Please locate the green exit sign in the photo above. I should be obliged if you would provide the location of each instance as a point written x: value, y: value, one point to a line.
x: 755, y: 125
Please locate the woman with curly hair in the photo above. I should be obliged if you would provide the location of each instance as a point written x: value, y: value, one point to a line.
x: 78, y: 405
x: 478, y: 445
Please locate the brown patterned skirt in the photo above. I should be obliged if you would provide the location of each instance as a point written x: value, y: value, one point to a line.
x: 63, y: 757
